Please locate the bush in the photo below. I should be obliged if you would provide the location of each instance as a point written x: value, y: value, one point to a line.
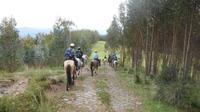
x: 182, y: 93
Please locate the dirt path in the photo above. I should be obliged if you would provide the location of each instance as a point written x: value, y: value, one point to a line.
x: 121, y: 99
x: 82, y: 97
x: 13, y: 88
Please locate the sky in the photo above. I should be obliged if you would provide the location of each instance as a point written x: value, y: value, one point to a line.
x: 86, y: 14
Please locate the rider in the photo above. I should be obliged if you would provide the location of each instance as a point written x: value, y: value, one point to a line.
x: 114, y: 57
x: 79, y: 54
x: 96, y: 57
x: 69, y: 54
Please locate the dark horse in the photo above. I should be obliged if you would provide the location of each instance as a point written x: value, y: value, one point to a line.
x: 70, y: 71
x: 110, y: 60
x: 94, y: 67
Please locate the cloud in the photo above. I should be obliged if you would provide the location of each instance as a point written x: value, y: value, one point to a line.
x: 91, y: 14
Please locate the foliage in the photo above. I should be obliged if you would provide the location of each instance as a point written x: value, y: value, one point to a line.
x: 162, y: 40
x: 9, y: 45
x: 114, y: 33
x: 146, y: 93
x: 85, y: 39
x: 99, y: 46
x: 33, y: 99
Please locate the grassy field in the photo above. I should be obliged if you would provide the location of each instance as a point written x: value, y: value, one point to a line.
x: 100, y: 47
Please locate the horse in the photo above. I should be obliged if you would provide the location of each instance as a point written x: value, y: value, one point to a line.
x: 70, y: 72
x: 104, y: 61
x: 79, y: 65
x: 94, y: 67
x: 85, y: 58
x: 114, y: 64
x: 110, y: 60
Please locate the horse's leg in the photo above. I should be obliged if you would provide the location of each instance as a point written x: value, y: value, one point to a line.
x: 96, y: 70
x: 74, y: 76
x: 66, y: 86
x: 67, y: 78
x: 92, y: 71
x: 91, y: 68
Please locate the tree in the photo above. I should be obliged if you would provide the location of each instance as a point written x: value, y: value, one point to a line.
x: 61, y: 33
x: 9, y: 44
x: 123, y: 21
x: 114, y: 34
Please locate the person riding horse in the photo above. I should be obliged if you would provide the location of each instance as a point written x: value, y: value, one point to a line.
x: 104, y: 59
x: 70, y: 66
x: 114, y: 57
x: 96, y: 57
x: 114, y: 61
x: 79, y: 53
x: 95, y: 63
x: 70, y: 55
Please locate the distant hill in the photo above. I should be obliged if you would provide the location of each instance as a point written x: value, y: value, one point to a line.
x: 31, y: 31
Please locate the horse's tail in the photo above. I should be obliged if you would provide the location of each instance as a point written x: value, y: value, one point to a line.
x: 91, y: 67
x: 69, y: 78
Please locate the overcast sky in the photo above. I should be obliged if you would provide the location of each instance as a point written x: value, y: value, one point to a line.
x: 90, y: 14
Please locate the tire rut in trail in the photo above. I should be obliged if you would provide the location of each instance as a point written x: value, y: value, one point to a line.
x: 86, y: 99
x: 121, y: 99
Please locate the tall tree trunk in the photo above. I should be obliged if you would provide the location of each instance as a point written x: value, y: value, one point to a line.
x: 186, y: 66
x: 172, y: 59
x: 184, y: 49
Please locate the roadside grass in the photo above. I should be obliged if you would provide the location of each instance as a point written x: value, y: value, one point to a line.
x: 145, y: 92
x: 34, y: 98
x: 104, y: 96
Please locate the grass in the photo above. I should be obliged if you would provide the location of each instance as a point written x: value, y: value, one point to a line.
x: 102, y: 92
x: 33, y: 99
x: 100, y: 47
x: 146, y: 93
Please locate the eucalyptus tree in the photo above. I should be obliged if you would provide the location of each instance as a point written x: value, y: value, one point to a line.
x: 9, y: 45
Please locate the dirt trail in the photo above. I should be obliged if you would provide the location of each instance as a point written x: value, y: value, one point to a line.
x: 84, y: 98
x: 121, y: 99
x: 13, y: 88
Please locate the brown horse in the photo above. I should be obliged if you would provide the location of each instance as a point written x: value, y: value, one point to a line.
x: 70, y: 71
x: 94, y: 67
x: 110, y: 60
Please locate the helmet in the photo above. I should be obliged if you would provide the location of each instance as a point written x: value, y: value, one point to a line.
x: 72, y: 45
x: 79, y: 48
x: 95, y: 51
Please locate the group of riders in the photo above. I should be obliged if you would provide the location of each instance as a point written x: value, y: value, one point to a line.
x: 73, y: 58
x: 71, y: 54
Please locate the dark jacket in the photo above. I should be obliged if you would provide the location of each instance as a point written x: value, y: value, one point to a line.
x: 69, y: 53
x: 79, y: 54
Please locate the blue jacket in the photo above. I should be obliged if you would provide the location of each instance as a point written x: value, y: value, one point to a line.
x: 114, y: 57
x: 95, y: 56
x: 69, y: 53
